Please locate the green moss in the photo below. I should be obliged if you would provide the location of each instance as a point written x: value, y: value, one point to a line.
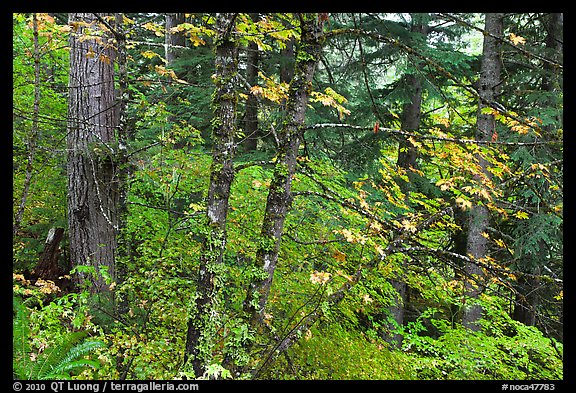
x: 331, y: 352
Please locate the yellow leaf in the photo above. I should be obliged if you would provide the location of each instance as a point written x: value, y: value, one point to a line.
x: 463, y: 203
x: 414, y: 142
x: 445, y: 184
x: 521, y: 215
x: 149, y: 54
x: 521, y: 129
x: 90, y: 54
x: 500, y: 243
x: 408, y: 226
x: 367, y: 299
x: 484, y: 194
x: 339, y: 256
x: 104, y: 58
x: 516, y: 39
x: 319, y: 277
x: 347, y: 277
x: 560, y: 296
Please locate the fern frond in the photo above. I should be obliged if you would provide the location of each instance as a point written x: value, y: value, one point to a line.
x: 52, y: 357
x: 64, y: 371
x: 20, y: 340
x: 66, y: 357
x: 73, y: 359
x: 55, y: 362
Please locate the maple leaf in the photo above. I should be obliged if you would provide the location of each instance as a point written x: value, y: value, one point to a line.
x: 500, y: 243
x: 408, y: 226
x: 414, y: 142
x: 367, y: 299
x: 339, y: 256
x: 149, y: 54
x: 516, y: 39
x: 90, y: 54
x: 463, y: 203
x: 319, y: 277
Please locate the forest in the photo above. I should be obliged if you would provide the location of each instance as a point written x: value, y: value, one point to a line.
x: 287, y: 196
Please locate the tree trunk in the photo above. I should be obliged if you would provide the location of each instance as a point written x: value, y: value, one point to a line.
x: 47, y: 267
x: 251, y: 114
x: 477, y: 244
x: 279, y: 195
x: 527, y: 296
x: 174, y: 41
x: 407, y: 155
x: 203, y: 324
x: 92, y: 151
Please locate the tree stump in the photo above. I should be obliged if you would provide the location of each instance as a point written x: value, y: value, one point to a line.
x: 47, y: 266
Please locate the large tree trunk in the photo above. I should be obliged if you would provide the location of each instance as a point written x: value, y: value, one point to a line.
x: 290, y: 136
x: 92, y: 151
x: 477, y: 244
x: 407, y: 154
x: 203, y: 324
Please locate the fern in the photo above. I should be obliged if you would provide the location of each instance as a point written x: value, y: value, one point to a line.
x: 54, y: 363
x: 21, y: 345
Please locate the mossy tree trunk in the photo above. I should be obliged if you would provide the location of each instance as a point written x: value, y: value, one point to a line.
x: 203, y: 323
x: 290, y: 136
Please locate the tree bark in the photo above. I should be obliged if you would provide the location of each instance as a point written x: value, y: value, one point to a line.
x: 477, y: 244
x: 174, y: 41
x: 279, y: 196
x: 287, y: 62
x: 407, y: 154
x: 251, y: 113
x: 47, y: 267
x: 203, y: 324
x: 92, y: 151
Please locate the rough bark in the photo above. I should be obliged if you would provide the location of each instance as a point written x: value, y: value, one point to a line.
x: 477, y: 244
x: 527, y: 297
x: 286, y: 62
x: 279, y: 195
x: 411, y: 112
x: 47, y: 267
x: 203, y: 324
x: 251, y: 113
x: 174, y: 41
x: 92, y: 150
x: 407, y: 154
